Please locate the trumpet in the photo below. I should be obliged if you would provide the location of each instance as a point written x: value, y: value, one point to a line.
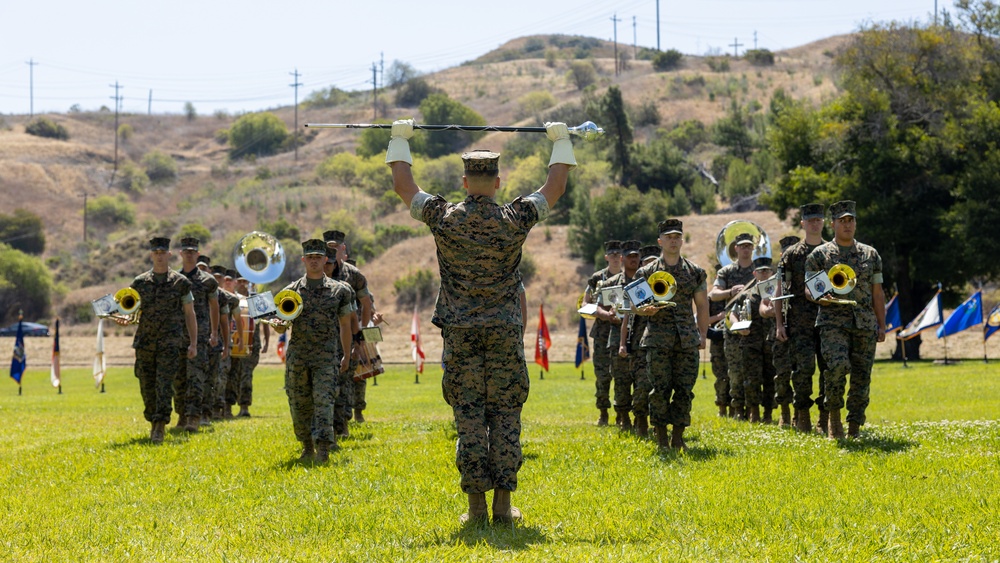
x: 842, y: 278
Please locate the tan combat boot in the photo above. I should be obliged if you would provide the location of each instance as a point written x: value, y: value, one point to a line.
x: 784, y: 419
x: 159, y: 432
x: 323, y: 450
x: 723, y: 411
x: 192, y: 423
x: 677, y: 438
x: 152, y: 432
x: 603, y: 419
x: 753, y: 413
x: 853, y: 430
x: 244, y: 411
x: 477, y: 513
x: 181, y: 421
x: 503, y: 512
x: 766, y: 418
x: 802, y: 422
x: 823, y: 422
x: 307, y: 451
x: 662, y: 438
x: 836, y: 431
x: 626, y: 422
x: 641, y: 427
x: 227, y: 412
x: 358, y: 417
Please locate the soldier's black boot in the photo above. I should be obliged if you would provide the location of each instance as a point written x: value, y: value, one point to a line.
x: 853, y: 430
x: 626, y: 421
x: 641, y: 427
x: 823, y: 422
x: 677, y: 438
x: 662, y: 438
x: 358, y: 417
x: 603, y: 419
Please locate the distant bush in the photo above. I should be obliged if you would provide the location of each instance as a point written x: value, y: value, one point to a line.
x: 160, y: 167
x: 419, y: 286
x: 370, y: 174
x: 196, y: 230
x: 527, y: 267
x: 667, y: 60
x: 718, y: 64
x: 189, y: 112
x: 23, y: 230
x: 132, y: 178
x: 125, y: 131
x: 646, y: 114
x: 111, y: 211
x: 551, y: 56
x: 759, y: 57
x: 534, y: 103
x: 582, y: 74
x: 281, y: 229
x: 25, y: 284
x: 45, y: 127
x: 325, y: 98
x: 534, y: 44
x: 689, y: 134
x: 257, y: 134
x: 439, y: 108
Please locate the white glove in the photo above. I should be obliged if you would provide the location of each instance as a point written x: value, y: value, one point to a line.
x: 399, y: 147
x: 562, y: 147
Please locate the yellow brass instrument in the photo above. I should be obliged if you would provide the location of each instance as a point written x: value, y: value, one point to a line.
x: 725, y: 242
x: 664, y: 286
x: 123, y: 307
x: 289, y: 304
x: 241, y: 331
x: 842, y: 278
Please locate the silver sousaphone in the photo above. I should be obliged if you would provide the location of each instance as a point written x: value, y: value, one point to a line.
x: 259, y: 257
x: 725, y: 243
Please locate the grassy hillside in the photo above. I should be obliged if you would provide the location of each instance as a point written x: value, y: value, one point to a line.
x: 232, y: 197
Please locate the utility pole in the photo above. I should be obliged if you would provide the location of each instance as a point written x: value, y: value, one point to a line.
x: 85, y: 195
x: 616, y: 19
x: 31, y: 83
x: 735, y: 45
x: 381, y: 68
x: 117, y: 100
x: 295, y: 137
x: 657, y: 25
x: 374, y: 92
x: 755, y: 40
x: 935, y: 12
x: 635, y: 41
x: 149, y: 106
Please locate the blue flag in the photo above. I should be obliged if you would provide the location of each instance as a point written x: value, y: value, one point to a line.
x: 892, y: 318
x: 19, y: 361
x: 967, y: 315
x: 992, y: 323
x: 582, y: 347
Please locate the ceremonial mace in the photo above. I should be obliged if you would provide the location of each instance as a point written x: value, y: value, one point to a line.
x: 588, y: 130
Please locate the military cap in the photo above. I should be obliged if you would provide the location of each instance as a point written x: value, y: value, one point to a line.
x: 313, y: 246
x: 631, y: 247
x: 785, y: 242
x: 331, y: 253
x: 189, y: 243
x: 334, y: 237
x: 479, y: 162
x: 649, y: 251
x: 743, y: 238
x: 841, y: 208
x: 219, y: 269
x: 202, y: 259
x: 671, y: 226
x: 231, y: 273
x: 811, y: 211
x: 159, y: 243
x: 352, y: 261
x: 762, y: 264
x: 612, y: 246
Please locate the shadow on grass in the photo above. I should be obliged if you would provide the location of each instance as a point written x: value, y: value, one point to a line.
x: 693, y: 453
x: 337, y: 458
x: 514, y: 537
x: 878, y: 443
x: 131, y: 442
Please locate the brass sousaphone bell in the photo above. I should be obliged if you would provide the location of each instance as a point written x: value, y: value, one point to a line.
x: 664, y: 287
x: 842, y: 278
x: 725, y: 243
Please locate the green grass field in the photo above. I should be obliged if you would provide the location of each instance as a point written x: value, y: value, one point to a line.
x: 81, y: 482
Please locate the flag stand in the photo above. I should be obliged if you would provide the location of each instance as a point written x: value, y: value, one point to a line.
x: 416, y: 377
x: 986, y: 359
x: 902, y: 347
x: 541, y: 374
x: 60, y: 390
x: 18, y: 389
x: 581, y: 374
x: 102, y: 387
x: 375, y: 381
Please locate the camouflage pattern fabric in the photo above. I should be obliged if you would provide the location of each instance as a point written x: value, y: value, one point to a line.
x: 752, y: 375
x: 671, y: 341
x: 192, y: 380
x: 209, y: 399
x: 848, y: 334
x: 599, y: 332
x: 312, y: 373
x: 353, y: 277
x: 732, y: 275
x: 486, y: 383
x: 717, y: 353
x: 244, y: 385
x: 159, y: 339
x: 360, y: 390
x: 782, y: 362
x: 621, y: 369
x: 800, y: 323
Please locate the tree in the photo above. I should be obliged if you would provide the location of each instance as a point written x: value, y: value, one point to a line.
x: 440, y: 109
x: 23, y: 230
x: 414, y: 91
x: 667, y: 60
x: 189, y: 112
x: 582, y: 73
x: 620, y: 213
x: 196, y: 230
x: 400, y: 73
x: 659, y: 165
x: 614, y: 117
x: 25, y: 285
x: 45, y: 127
x: 257, y: 134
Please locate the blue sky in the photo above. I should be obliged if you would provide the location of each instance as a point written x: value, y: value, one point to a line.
x: 239, y: 56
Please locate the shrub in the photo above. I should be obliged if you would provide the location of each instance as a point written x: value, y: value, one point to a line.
x: 45, y: 127
x: 23, y: 230
x: 125, y: 131
x: 551, y: 56
x: 667, y: 60
x: 370, y: 174
x: 534, y: 103
x: 759, y: 57
x: 688, y: 135
x: 111, y: 211
x: 196, y: 230
x: 718, y: 64
x: 325, y: 98
x: 133, y: 179
x: 25, y: 284
x: 528, y: 268
x: 189, y: 112
x: 582, y: 73
x: 420, y: 286
x: 646, y: 114
x: 257, y: 134
x: 439, y: 108
x: 160, y: 167
x: 527, y: 176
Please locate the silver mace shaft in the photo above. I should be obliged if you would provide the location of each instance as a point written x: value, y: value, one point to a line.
x: 588, y: 130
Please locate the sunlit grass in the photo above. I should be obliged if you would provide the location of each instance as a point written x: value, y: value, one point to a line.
x: 81, y: 481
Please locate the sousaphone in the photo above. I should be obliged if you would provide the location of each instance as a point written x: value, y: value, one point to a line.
x: 725, y: 243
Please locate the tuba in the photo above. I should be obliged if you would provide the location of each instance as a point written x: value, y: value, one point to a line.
x: 842, y: 279
x: 259, y: 257
x: 664, y: 286
x: 725, y: 243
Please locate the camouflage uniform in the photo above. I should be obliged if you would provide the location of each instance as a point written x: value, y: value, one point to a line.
x: 228, y: 367
x: 848, y: 334
x: 728, y: 277
x: 160, y: 348
x: 671, y: 341
x: 755, y: 370
x: 214, y: 359
x: 599, y: 332
x: 243, y: 387
x: 352, y: 393
x: 312, y: 361
x: 800, y: 320
x: 717, y: 350
x: 192, y: 380
x: 629, y: 373
x: 478, y: 310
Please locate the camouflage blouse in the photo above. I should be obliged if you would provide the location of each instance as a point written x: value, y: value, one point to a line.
x: 792, y: 263
x: 867, y: 265
x: 676, y: 321
x: 204, y: 288
x: 161, y: 298
x: 315, y: 336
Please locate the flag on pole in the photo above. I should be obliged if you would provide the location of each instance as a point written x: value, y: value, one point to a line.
x: 99, y: 366
x: 967, y: 315
x: 582, y: 346
x: 282, y: 343
x: 892, y: 318
x: 930, y: 317
x: 19, y: 362
x: 543, y: 342
x: 416, y: 345
x: 55, y: 373
x: 992, y: 323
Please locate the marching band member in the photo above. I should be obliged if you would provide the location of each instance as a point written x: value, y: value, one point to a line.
x: 621, y: 366
x: 602, y: 328
x: 192, y: 379
x: 729, y: 282
x: 780, y: 349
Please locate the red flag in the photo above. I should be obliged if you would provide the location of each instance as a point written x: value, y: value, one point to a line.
x: 55, y: 374
x: 418, y: 351
x: 543, y: 342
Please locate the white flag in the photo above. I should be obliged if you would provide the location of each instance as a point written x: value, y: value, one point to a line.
x: 928, y: 318
x: 99, y: 366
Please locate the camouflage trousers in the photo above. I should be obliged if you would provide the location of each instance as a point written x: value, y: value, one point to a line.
x: 312, y: 393
x: 243, y: 387
x: 602, y: 376
x: 486, y: 383
x: 211, y: 381
x: 782, y: 371
x: 848, y: 351
x: 228, y: 376
x: 804, y: 351
x: 720, y: 369
x: 751, y: 372
x: 345, y: 395
x: 672, y: 371
x: 156, y: 370
x: 190, y: 383
x: 360, y: 390
x: 631, y: 383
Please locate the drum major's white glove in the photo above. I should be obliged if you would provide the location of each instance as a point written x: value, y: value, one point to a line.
x: 562, y: 147
x: 399, y: 146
